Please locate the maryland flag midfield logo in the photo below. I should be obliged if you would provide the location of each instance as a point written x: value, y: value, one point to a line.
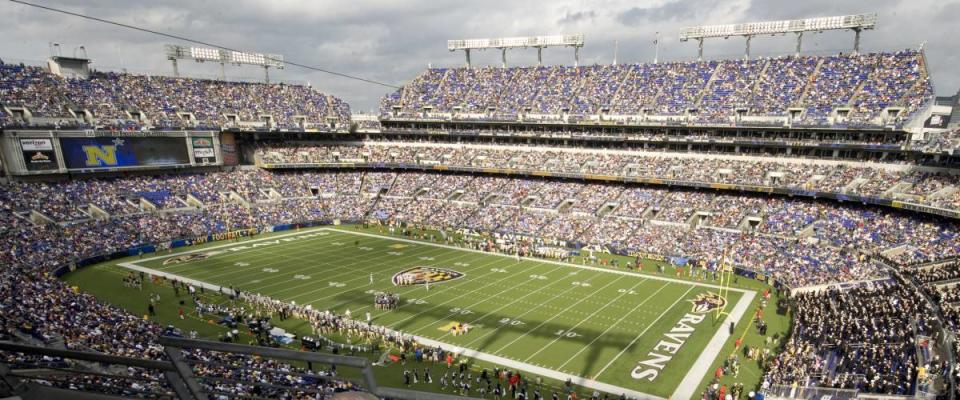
x: 185, y: 258
x: 422, y: 275
x: 706, y: 302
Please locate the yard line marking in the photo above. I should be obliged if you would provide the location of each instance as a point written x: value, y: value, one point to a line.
x: 221, y: 259
x: 227, y: 257
x: 620, y: 296
x: 578, y: 380
x: 284, y: 276
x: 536, y: 262
x: 619, y: 321
x: 442, y: 289
x: 322, y: 240
x: 523, y: 366
x: 361, y: 277
x: 665, y: 311
x: 410, y: 258
x: 545, y: 261
x: 305, y: 231
x: 509, y: 276
x: 509, y: 304
x: 218, y: 265
x: 540, y: 325
x: 699, y: 369
x: 534, y: 369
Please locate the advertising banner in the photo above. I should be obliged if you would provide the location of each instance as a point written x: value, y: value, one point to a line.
x: 203, y: 152
x: 937, y: 121
x: 228, y: 148
x: 38, y: 154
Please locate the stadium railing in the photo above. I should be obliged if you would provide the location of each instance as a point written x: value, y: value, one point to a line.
x: 955, y: 214
x: 180, y: 375
x: 783, y: 392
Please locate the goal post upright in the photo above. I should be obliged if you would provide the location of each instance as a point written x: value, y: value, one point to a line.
x: 726, y: 275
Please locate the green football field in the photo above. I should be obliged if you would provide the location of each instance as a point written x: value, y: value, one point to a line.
x: 608, y: 329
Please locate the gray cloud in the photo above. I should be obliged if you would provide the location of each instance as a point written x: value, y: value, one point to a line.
x: 677, y: 10
x: 393, y: 41
x: 575, y: 17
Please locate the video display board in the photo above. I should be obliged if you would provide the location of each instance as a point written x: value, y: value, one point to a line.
x: 114, y: 152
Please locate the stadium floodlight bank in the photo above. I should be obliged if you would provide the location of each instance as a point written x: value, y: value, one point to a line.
x: 856, y: 23
x: 503, y: 44
x: 224, y: 57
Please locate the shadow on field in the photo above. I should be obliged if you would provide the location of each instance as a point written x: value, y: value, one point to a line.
x: 597, y: 340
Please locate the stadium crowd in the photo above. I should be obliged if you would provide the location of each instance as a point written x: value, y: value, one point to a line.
x: 929, y: 187
x: 797, y: 242
x: 115, y: 100
x: 940, y: 281
x: 710, y: 91
x: 40, y: 309
x: 864, y: 338
x: 715, y: 89
x: 800, y: 242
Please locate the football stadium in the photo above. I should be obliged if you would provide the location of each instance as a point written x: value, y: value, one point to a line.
x: 781, y: 221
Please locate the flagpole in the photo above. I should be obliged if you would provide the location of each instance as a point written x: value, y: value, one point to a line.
x: 615, y: 47
x: 656, y: 43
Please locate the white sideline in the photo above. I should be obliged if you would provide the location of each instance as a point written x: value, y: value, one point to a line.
x: 193, y: 282
x: 577, y: 380
x: 684, y: 391
x: 608, y: 388
x: 688, y: 386
x: 302, y: 231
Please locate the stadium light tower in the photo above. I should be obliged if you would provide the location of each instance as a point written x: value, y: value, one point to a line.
x: 503, y: 44
x: 856, y: 23
x: 224, y: 57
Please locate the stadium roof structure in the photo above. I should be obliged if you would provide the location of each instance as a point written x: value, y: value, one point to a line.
x: 856, y: 23
x: 537, y: 42
x: 202, y: 54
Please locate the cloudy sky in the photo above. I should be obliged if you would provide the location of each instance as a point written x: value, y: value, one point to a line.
x: 393, y: 41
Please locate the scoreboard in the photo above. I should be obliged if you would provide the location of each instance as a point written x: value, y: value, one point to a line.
x: 45, y: 152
